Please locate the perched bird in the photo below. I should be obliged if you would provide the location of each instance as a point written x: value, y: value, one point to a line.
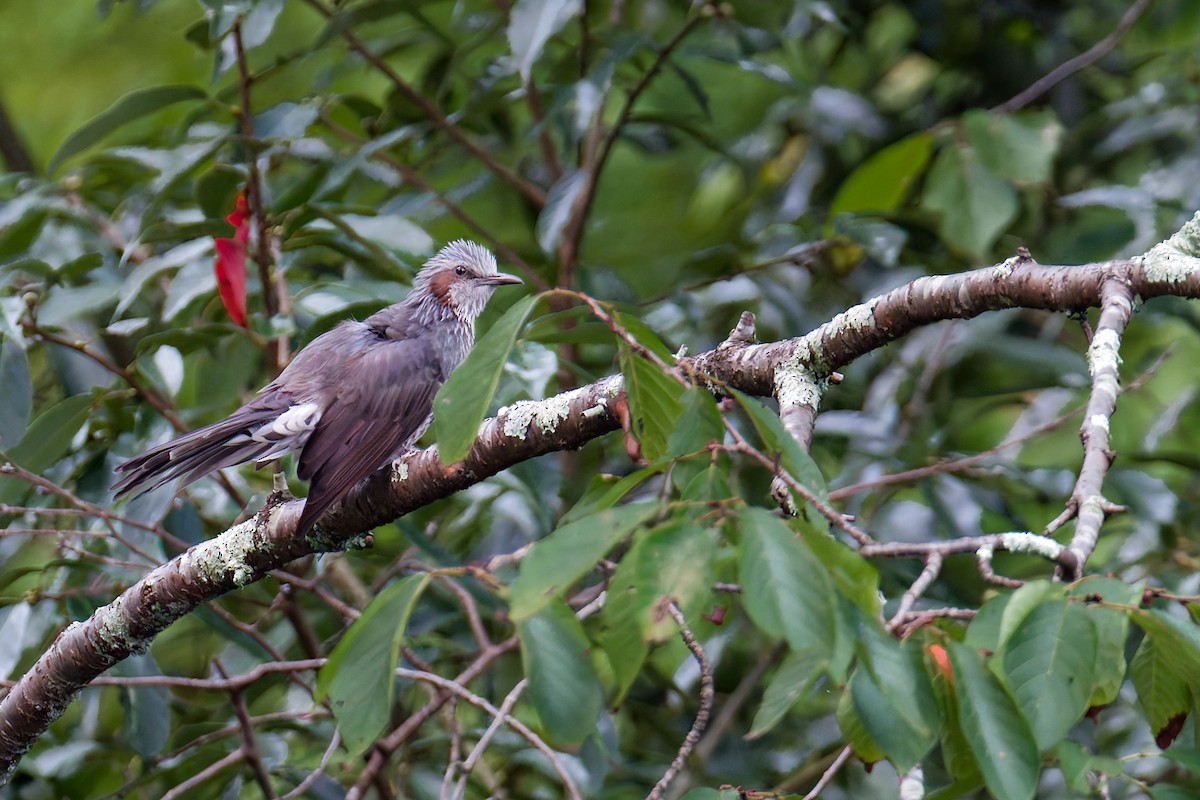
x: 357, y: 397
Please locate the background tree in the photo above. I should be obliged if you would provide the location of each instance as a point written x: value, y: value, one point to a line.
x: 194, y: 191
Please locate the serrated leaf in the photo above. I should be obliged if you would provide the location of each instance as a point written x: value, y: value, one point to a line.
x: 132, y: 106
x: 655, y: 403
x: 792, y: 680
x: 553, y: 564
x: 698, y: 424
x: 673, y: 560
x: 463, y: 401
x: 894, y: 697
x: 1162, y: 687
x: 785, y: 589
x: 882, y: 182
x: 998, y: 734
x: 974, y: 206
x: 563, y: 685
x: 359, y: 678
x: 1049, y: 663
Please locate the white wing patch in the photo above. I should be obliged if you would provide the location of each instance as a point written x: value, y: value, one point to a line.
x: 287, y: 433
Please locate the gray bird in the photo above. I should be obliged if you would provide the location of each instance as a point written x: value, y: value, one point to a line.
x: 357, y: 397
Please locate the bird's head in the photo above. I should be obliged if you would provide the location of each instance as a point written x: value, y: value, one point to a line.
x: 461, y: 278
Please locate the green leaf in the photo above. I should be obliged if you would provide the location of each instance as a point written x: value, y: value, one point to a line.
x: 855, y: 732
x: 360, y: 676
x: 699, y: 423
x: 16, y: 392
x: 50, y: 435
x: 604, y: 492
x: 1162, y: 686
x: 560, y: 203
x: 777, y: 440
x: 1019, y: 147
x: 795, y: 676
x: 465, y: 398
x: 1049, y: 662
x: 563, y: 685
x: 568, y: 553
x: 882, y: 182
x: 1112, y: 629
x: 998, y: 734
x: 894, y: 698
x: 655, y: 403
x: 785, y: 589
x: 673, y: 560
x: 974, y: 206
x: 1023, y: 602
x: 132, y: 106
x: 531, y: 23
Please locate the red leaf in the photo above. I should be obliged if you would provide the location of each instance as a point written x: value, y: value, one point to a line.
x: 230, y: 265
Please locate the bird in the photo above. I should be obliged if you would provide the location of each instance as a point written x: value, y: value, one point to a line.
x: 354, y: 399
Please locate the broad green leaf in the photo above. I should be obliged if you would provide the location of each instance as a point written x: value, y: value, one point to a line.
x: 1049, y: 662
x: 655, y: 403
x: 531, y: 23
x: 605, y: 493
x: 563, y: 685
x: 463, y: 401
x: 698, y: 424
x: 673, y: 560
x: 16, y: 392
x: 894, y: 697
x: 132, y: 106
x: 855, y: 732
x: 568, y: 553
x: 1023, y: 602
x: 1112, y: 629
x: 49, y: 437
x: 785, y: 589
x: 854, y: 576
x: 998, y: 734
x: 1162, y: 686
x: 147, y: 708
x: 713, y: 794
x: 882, y: 182
x: 795, y: 676
x: 777, y: 440
x: 1019, y: 147
x: 359, y: 679
x: 974, y: 205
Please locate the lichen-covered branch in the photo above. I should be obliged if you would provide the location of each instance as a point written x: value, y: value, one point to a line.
x: 1087, y: 503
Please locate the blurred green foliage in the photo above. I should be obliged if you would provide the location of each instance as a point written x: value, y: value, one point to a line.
x: 788, y: 158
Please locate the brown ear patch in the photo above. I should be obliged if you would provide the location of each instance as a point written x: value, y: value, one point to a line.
x: 439, y: 286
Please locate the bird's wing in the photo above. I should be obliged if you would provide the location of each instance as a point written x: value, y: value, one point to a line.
x: 374, y: 412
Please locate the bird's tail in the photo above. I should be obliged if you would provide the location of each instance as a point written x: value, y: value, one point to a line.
x: 222, y: 444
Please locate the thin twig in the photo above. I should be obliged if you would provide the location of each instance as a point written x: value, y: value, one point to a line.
x: 707, y: 695
x: 477, y: 752
x: 205, y: 775
x: 1085, y: 59
x: 434, y: 114
x: 249, y: 746
x: 830, y: 773
x: 520, y: 728
x: 315, y: 775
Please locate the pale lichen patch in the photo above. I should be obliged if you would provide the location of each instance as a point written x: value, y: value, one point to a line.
x: 796, y: 384
x: 1025, y: 542
x: 1175, y: 260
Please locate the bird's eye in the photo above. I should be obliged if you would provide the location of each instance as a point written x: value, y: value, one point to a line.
x: 460, y: 270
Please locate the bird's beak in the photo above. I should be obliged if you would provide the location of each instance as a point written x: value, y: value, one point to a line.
x: 499, y: 279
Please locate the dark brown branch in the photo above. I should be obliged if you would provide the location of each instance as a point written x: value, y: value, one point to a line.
x: 1080, y: 62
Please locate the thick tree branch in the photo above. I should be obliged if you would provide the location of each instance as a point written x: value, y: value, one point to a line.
x: 248, y: 551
